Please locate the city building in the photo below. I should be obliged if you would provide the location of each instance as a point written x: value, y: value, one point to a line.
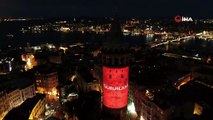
x: 21, y: 90
x: 27, y: 88
x: 14, y: 98
x: 152, y: 107
x: 47, y: 82
x: 6, y: 65
x: 195, y: 92
x: 31, y: 109
x: 115, y: 70
x: 168, y: 103
x: 15, y: 93
x: 86, y: 81
x: 4, y: 104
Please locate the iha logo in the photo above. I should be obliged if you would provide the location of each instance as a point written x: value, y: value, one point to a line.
x: 179, y: 18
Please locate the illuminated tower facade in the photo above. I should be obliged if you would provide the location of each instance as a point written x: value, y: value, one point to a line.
x: 115, y: 60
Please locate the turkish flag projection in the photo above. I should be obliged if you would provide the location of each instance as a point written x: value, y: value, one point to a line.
x: 115, y: 87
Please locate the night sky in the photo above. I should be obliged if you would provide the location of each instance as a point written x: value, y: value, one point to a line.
x: 102, y: 8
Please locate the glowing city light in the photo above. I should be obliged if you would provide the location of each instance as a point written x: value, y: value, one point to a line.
x: 131, y: 108
x: 73, y: 78
x: 10, y: 66
x: 30, y: 61
x: 64, y: 29
x: 63, y: 48
x: 197, y: 109
x: 54, y: 92
x: 141, y: 118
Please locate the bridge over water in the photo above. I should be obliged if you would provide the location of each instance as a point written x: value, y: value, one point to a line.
x: 174, y: 40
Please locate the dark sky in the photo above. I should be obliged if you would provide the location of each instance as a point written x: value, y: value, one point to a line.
x: 101, y: 8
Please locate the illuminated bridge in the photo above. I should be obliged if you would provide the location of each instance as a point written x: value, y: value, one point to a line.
x: 174, y: 40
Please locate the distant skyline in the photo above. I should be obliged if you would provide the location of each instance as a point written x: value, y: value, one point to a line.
x: 102, y: 8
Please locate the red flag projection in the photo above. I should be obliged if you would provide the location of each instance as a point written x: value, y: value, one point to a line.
x: 115, y: 87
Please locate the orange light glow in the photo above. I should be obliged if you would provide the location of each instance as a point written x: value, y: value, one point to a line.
x: 198, y: 109
x: 54, y: 92
x: 30, y: 61
x: 183, y: 83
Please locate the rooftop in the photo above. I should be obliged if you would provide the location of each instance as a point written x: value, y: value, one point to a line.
x: 85, y: 74
x: 10, y: 84
x: 196, y: 92
x: 45, y: 69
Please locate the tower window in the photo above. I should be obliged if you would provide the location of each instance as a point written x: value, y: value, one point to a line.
x: 122, y: 76
x: 110, y: 76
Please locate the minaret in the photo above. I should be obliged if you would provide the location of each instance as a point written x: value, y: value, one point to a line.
x: 115, y: 61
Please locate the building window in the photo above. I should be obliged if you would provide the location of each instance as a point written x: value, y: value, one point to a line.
x: 110, y: 76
